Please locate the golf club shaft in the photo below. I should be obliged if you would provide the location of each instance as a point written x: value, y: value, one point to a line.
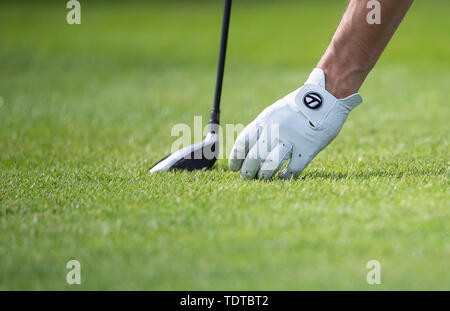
x: 215, y: 114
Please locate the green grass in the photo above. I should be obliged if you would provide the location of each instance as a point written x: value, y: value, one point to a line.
x: 87, y: 109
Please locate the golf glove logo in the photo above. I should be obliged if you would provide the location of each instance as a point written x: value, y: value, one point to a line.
x: 313, y: 100
x: 295, y: 129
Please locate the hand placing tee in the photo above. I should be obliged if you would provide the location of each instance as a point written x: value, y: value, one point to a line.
x: 295, y: 128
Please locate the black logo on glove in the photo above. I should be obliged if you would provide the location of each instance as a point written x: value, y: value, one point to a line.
x: 313, y: 100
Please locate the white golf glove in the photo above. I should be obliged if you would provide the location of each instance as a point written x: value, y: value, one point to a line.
x: 295, y: 128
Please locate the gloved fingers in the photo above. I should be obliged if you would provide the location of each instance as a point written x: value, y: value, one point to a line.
x: 275, y: 160
x: 296, y: 165
x: 256, y: 156
x: 245, y: 140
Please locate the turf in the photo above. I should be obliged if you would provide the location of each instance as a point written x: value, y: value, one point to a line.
x: 86, y: 109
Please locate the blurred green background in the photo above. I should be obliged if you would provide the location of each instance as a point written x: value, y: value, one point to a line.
x: 86, y: 109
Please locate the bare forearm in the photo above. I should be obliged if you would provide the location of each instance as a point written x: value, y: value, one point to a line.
x: 357, y: 45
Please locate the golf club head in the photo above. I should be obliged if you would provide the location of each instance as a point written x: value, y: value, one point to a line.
x: 198, y: 156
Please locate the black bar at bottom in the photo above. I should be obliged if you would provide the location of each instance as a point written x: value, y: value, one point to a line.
x: 222, y: 300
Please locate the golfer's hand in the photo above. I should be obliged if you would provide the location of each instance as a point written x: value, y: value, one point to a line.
x: 295, y: 128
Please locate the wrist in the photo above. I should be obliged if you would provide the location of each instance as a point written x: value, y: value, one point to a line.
x: 343, y: 75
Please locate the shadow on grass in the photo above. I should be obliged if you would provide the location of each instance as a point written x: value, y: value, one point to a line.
x: 393, y: 172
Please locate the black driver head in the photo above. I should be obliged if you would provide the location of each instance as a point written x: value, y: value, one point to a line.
x: 198, y: 156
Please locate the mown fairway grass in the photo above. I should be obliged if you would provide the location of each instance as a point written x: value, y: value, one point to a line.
x: 85, y: 110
